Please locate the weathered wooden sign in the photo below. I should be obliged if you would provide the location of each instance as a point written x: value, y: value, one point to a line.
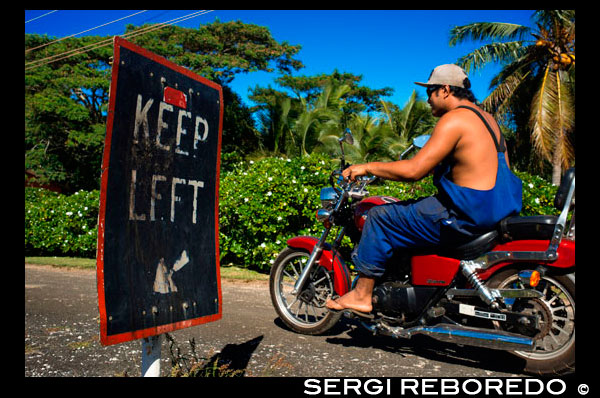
x: 158, y: 251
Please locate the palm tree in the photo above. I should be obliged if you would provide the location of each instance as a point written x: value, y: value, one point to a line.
x: 414, y: 119
x: 320, y: 118
x: 537, y: 64
x: 273, y: 120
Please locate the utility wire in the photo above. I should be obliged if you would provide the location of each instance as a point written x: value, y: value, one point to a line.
x: 48, y: 13
x: 89, y: 47
x: 96, y: 27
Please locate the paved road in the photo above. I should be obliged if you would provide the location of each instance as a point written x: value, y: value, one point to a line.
x: 62, y: 329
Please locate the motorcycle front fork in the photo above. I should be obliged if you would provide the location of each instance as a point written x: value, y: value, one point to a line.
x: 314, y: 257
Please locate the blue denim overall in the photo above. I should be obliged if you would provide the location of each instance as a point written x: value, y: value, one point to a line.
x: 455, y: 214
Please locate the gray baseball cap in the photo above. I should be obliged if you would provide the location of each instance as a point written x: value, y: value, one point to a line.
x: 447, y: 74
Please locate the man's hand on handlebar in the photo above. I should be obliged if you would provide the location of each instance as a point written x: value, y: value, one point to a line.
x: 357, y: 170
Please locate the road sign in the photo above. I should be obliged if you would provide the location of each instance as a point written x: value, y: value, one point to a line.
x: 158, y: 248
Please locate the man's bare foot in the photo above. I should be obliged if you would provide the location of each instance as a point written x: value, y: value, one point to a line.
x: 358, y: 299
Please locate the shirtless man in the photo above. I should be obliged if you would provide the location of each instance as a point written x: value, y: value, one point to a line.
x: 476, y: 188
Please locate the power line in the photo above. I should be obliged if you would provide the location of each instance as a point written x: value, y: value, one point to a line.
x: 96, y: 27
x: 48, y: 13
x: 106, y: 42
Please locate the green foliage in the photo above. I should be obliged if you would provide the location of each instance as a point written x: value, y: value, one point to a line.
x: 57, y: 224
x: 64, y: 100
x: 538, y: 195
x: 220, y: 50
x: 404, y: 190
x: 263, y: 203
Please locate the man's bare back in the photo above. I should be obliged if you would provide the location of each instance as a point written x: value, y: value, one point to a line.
x: 474, y: 160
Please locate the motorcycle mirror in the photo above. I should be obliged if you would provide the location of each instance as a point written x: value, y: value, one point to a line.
x: 418, y: 142
x: 347, y: 137
x: 421, y: 140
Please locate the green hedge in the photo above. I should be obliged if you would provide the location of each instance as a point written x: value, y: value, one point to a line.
x: 61, y: 225
x: 261, y: 204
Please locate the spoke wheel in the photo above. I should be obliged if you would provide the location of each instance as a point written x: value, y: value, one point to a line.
x: 306, y: 312
x: 555, y: 337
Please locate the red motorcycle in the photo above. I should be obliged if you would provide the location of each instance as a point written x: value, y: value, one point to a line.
x: 512, y: 288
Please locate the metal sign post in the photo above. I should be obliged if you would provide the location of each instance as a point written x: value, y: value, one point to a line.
x: 151, y: 356
x: 158, y: 250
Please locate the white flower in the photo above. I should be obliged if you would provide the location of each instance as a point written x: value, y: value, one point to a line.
x: 85, y: 208
x: 272, y: 261
x: 293, y: 181
x: 270, y: 178
x: 269, y: 193
x: 530, y: 185
x: 263, y: 245
x: 302, y: 168
x: 69, y: 213
x: 279, y: 218
x: 289, y: 160
x: 305, y: 190
x: 537, y: 200
x: 277, y: 242
x: 252, y: 162
x: 246, y: 199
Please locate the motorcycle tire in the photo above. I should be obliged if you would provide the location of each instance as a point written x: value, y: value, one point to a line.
x: 555, y: 343
x: 305, y: 313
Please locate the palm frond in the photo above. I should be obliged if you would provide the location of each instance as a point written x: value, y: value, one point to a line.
x: 496, y: 102
x: 550, y: 17
x: 493, y: 52
x: 565, y: 120
x: 478, y: 31
x: 543, y: 111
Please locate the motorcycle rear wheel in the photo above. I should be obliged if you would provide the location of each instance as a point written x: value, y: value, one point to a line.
x: 305, y: 313
x: 555, y: 344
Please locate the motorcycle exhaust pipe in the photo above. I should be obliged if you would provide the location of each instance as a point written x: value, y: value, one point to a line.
x: 494, y: 339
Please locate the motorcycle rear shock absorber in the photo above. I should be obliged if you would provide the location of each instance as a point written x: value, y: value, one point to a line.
x: 469, y: 270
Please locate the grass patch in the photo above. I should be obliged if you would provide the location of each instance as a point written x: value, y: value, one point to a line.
x: 73, y: 262
x: 227, y: 272
x: 233, y: 272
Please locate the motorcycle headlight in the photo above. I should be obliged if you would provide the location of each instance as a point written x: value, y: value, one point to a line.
x: 328, y: 197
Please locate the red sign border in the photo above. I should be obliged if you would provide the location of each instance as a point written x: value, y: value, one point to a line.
x: 153, y: 331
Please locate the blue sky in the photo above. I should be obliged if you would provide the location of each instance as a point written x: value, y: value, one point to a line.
x: 389, y: 48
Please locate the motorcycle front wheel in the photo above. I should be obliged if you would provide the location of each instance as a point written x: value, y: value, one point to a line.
x: 306, y: 312
x: 555, y: 341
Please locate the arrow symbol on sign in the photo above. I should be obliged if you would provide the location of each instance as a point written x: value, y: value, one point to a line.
x: 163, y: 282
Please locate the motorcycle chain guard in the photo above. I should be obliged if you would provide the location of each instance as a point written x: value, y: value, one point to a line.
x: 328, y: 259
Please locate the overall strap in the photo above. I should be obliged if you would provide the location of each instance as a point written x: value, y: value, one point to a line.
x: 499, y: 147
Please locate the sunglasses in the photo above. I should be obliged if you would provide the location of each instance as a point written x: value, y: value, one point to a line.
x: 432, y: 89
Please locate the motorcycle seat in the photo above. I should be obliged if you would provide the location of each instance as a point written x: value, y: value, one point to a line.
x: 529, y: 227
x: 473, y: 248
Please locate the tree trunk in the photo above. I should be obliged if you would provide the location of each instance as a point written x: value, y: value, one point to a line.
x: 556, y: 167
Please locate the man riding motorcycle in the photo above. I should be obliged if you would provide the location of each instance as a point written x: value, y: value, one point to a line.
x: 476, y: 188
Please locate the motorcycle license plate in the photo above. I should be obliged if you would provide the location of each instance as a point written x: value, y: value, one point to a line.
x: 472, y: 311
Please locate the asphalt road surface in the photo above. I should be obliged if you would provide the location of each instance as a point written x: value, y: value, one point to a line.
x: 62, y: 339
